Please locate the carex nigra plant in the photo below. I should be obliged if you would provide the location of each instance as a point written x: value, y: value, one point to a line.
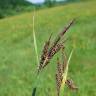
x: 48, y: 52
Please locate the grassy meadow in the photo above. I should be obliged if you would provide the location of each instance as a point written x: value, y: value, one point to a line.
x: 17, y: 55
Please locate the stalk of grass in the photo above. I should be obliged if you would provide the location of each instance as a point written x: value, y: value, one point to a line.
x: 35, y: 42
x: 65, y: 74
x: 36, y: 52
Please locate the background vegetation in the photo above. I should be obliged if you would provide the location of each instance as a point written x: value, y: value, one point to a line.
x: 17, y: 59
x: 15, y: 7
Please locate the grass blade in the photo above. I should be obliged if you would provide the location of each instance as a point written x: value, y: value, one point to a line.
x: 35, y: 42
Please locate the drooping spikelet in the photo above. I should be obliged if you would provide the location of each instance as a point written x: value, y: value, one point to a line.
x: 71, y: 85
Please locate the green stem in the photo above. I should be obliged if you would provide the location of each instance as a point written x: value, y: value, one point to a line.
x: 35, y: 42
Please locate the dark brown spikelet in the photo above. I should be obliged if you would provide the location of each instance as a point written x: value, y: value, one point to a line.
x: 71, y: 84
x: 59, y: 76
x: 59, y: 68
x: 55, y: 50
x: 46, y: 57
x: 44, y: 54
x: 58, y: 84
x: 66, y: 28
x: 49, y: 56
x: 60, y: 35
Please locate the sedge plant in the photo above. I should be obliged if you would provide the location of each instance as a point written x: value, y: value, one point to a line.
x: 48, y: 52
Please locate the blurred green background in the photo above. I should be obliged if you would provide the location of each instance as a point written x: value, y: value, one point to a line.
x: 17, y: 55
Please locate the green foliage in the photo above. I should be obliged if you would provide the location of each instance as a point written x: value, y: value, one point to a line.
x: 9, y: 7
x: 49, y: 3
x: 1, y: 14
x: 17, y: 56
x: 12, y: 3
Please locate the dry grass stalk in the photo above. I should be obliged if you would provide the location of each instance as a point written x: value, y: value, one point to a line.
x: 48, y: 52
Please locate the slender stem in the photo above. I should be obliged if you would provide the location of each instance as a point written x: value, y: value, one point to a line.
x: 36, y: 52
x: 34, y: 37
